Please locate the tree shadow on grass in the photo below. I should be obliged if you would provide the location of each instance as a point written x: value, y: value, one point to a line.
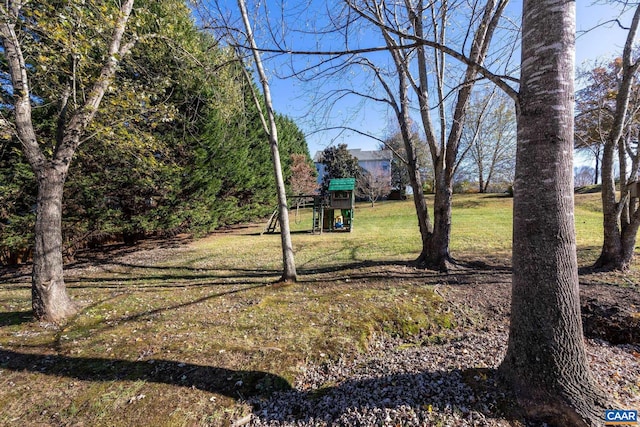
x: 228, y: 382
x: 12, y: 318
x: 413, y: 399
x: 168, y: 276
x: 173, y: 280
x: 354, y: 270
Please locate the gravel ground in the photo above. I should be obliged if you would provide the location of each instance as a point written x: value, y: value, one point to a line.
x: 446, y: 384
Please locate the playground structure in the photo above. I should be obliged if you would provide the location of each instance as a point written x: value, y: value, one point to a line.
x: 341, y: 201
x: 333, y: 214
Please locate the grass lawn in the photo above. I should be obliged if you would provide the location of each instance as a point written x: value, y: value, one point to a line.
x: 177, y: 333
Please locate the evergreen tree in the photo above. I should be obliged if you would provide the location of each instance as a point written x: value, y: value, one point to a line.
x: 145, y: 131
x: 338, y: 163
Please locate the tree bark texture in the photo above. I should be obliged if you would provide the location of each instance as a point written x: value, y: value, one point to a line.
x: 435, y: 254
x: 419, y: 201
x: 50, y: 300
x: 289, y: 273
x: 546, y: 361
x: 612, y: 245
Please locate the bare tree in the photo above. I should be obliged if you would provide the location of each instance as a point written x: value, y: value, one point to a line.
x: 583, y: 176
x: 594, y: 107
x: 289, y: 273
x: 488, y: 144
x: 50, y: 300
x: 424, y: 73
x: 546, y: 360
x: 621, y: 215
x: 373, y: 184
x: 399, y: 171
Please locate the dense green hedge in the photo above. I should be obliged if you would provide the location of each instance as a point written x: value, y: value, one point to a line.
x: 177, y: 145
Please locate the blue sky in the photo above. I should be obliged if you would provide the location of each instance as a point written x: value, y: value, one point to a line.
x: 295, y: 99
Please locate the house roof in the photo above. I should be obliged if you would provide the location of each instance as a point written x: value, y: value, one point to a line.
x: 361, y: 155
x: 364, y: 155
x: 342, y: 184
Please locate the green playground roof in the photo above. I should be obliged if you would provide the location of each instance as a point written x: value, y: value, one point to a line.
x: 342, y: 184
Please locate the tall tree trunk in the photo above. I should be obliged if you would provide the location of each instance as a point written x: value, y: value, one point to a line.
x: 623, y: 204
x: 422, y: 211
x: 289, y: 273
x: 614, y: 254
x: 438, y: 256
x: 597, y: 168
x: 402, y: 108
x: 546, y: 361
x: 49, y: 295
x: 612, y: 244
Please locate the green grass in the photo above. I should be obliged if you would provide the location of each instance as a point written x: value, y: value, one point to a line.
x: 481, y: 224
x: 179, y: 339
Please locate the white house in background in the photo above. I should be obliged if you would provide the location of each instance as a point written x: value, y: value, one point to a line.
x: 372, y: 161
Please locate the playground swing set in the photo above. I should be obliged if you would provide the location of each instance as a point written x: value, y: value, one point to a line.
x: 334, y: 214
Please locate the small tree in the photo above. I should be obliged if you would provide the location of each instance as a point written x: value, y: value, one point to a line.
x: 303, y: 176
x: 489, y: 140
x: 583, y: 176
x: 373, y: 184
x: 594, y: 104
x: 399, y: 169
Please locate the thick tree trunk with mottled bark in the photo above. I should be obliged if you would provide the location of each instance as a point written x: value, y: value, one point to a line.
x: 546, y: 361
x: 49, y: 296
x: 50, y: 300
x: 441, y: 237
x: 419, y: 201
x: 435, y: 254
x: 610, y: 255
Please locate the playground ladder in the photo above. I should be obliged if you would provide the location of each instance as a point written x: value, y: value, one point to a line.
x: 273, y: 222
